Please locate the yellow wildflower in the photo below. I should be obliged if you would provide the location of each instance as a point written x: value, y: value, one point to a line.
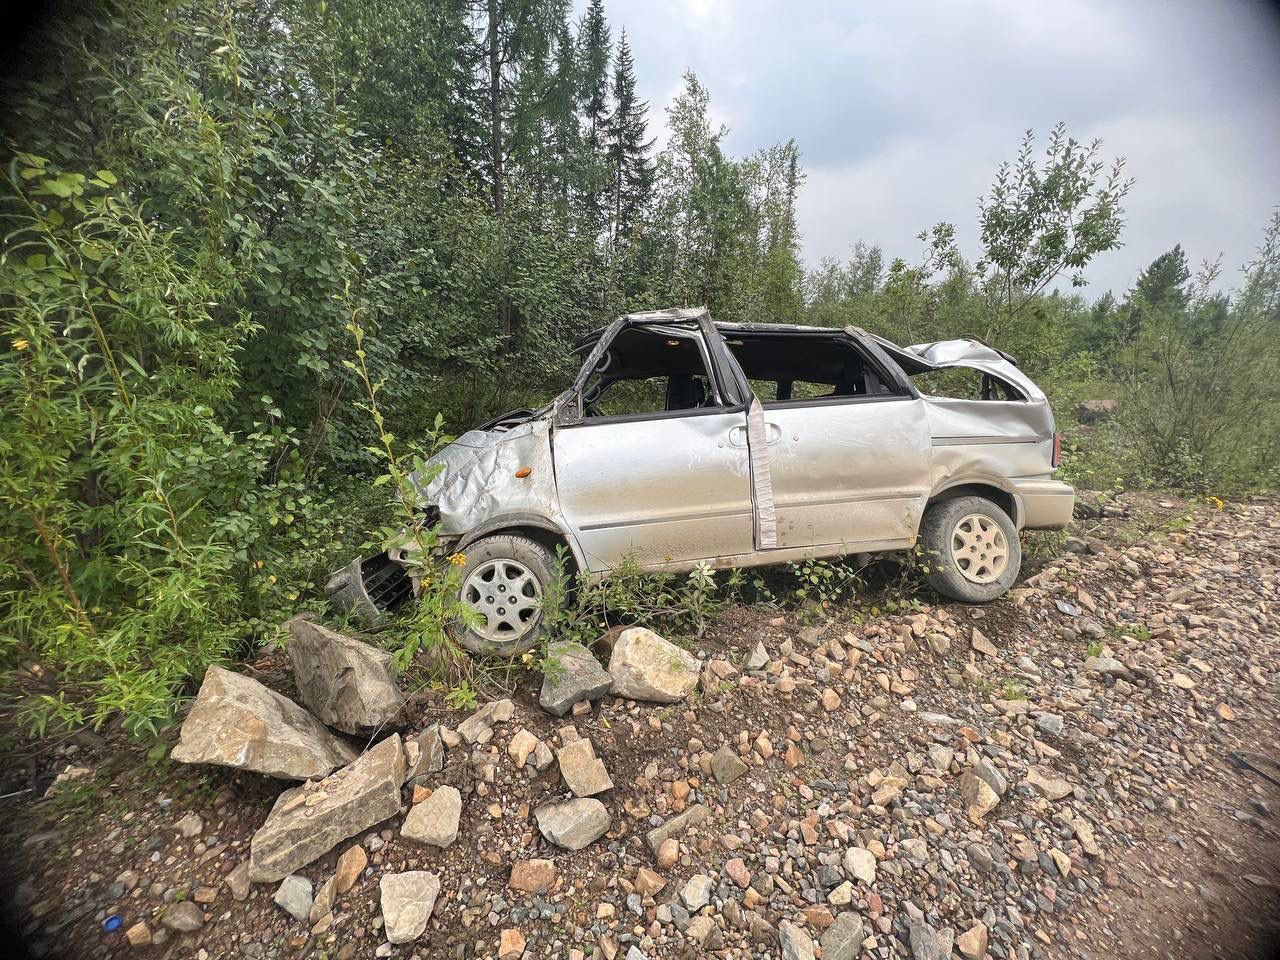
x: 21, y: 344
x: 458, y: 559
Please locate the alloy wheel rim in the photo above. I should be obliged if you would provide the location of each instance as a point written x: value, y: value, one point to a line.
x: 507, y: 595
x: 979, y: 548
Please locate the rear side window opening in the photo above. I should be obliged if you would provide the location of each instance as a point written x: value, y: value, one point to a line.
x: 964, y: 383
x: 799, y: 369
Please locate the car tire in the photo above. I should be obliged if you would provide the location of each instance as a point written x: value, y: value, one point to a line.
x: 971, y: 549
x: 498, y: 567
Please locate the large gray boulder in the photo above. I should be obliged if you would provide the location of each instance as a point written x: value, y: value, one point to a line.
x: 309, y: 821
x: 646, y: 667
x: 572, y: 674
x: 407, y: 902
x: 572, y: 824
x: 345, y: 682
x: 1095, y: 411
x: 237, y: 722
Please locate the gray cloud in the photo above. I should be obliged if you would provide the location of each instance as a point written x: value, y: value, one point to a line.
x: 902, y: 110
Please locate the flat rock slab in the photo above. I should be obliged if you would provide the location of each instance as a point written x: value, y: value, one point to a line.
x: 309, y: 821
x: 644, y: 666
x: 294, y: 897
x: 1045, y: 782
x: 796, y: 944
x: 408, y: 900
x: 928, y: 943
x: 533, y: 876
x: 430, y: 755
x: 584, y: 773
x: 843, y: 939
x: 572, y: 824
x: 676, y: 826
x: 726, y: 765
x: 573, y: 674
x: 345, y: 682
x: 1107, y: 665
x: 237, y: 722
x: 434, y: 821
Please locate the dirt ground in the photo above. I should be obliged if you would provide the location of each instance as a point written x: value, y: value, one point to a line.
x: 1192, y: 848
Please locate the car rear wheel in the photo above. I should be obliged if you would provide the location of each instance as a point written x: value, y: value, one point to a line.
x: 504, y: 580
x: 971, y: 548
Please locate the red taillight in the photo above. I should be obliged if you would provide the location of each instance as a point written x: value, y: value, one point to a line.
x: 1057, y: 450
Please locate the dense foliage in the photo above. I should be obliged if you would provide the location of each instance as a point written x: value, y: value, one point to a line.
x: 202, y: 200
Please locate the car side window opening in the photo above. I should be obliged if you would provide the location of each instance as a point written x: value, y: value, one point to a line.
x: 964, y: 383
x: 649, y: 371
x: 785, y: 369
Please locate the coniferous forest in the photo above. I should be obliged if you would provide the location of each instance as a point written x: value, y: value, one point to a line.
x: 217, y: 216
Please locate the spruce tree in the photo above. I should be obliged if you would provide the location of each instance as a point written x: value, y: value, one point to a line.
x: 594, y: 46
x: 626, y: 150
x: 563, y: 137
x: 1162, y: 286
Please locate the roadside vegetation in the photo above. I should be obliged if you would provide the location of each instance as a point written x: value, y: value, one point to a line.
x: 260, y: 256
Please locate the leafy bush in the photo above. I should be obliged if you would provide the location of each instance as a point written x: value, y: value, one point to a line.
x: 142, y: 529
x: 154, y: 495
x: 1202, y: 391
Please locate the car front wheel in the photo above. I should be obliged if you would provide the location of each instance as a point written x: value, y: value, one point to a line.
x: 504, y: 580
x: 971, y: 549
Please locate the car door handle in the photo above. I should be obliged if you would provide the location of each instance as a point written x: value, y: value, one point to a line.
x: 738, y: 435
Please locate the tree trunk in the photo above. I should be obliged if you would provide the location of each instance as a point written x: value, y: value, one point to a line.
x: 496, y: 149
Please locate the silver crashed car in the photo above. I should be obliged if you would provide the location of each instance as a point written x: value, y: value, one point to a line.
x: 684, y: 440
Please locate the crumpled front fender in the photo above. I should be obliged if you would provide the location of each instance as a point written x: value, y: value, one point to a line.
x: 487, y: 474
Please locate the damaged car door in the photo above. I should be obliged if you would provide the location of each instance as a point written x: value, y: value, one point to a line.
x: 849, y: 449
x: 650, y: 451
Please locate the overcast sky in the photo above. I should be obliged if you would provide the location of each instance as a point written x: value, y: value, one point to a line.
x: 902, y: 109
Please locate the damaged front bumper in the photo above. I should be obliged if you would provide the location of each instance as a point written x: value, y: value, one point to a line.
x: 371, y: 588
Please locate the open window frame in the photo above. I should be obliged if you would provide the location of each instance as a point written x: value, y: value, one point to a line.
x: 897, y: 385
x: 730, y: 392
